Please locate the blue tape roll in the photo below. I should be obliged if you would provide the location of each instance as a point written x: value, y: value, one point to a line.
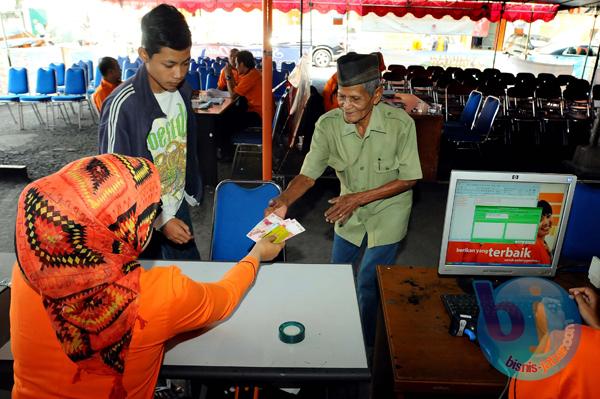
x: 291, y: 338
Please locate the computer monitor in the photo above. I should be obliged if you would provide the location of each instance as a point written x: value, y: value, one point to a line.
x: 506, y: 224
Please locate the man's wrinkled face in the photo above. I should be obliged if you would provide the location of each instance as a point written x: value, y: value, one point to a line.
x: 356, y: 103
x: 167, y: 68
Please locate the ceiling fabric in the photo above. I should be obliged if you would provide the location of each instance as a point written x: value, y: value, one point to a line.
x: 475, y: 10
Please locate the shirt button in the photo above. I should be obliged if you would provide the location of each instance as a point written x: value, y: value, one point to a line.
x: 362, y: 168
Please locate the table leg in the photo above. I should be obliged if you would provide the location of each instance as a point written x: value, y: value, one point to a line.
x: 207, y: 148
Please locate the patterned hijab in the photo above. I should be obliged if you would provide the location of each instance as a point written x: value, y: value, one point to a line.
x: 78, y: 235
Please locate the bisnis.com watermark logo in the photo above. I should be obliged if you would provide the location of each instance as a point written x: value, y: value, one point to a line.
x: 528, y: 327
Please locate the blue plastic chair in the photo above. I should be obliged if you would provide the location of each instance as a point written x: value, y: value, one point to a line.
x: 193, y: 79
x: 121, y: 60
x: 279, y: 79
x: 18, y: 84
x: 59, y: 68
x: 193, y: 65
x: 212, y: 78
x: 97, y: 77
x: 288, y: 66
x: 129, y: 72
x: 582, y: 238
x: 468, y: 114
x: 481, y: 128
x: 45, y: 89
x: 90, y: 70
x: 75, y: 92
x: 128, y: 65
x: 203, y: 71
x: 238, y: 207
x: 249, y: 141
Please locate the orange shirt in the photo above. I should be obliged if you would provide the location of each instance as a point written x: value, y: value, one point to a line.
x: 170, y: 303
x: 578, y: 380
x: 222, y: 83
x: 250, y: 86
x: 102, y: 92
x: 330, y: 93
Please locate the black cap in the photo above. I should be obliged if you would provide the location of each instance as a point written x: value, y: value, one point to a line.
x: 354, y: 69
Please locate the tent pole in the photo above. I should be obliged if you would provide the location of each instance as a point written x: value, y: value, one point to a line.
x: 267, y: 94
x: 500, y: 29
x: 5, y: 40
x: 587, y: 54
x: 301, y: 25
x: 593, y: 78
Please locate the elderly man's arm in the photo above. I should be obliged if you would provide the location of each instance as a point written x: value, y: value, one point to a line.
x: 344, y: 205
x: 296, y: 189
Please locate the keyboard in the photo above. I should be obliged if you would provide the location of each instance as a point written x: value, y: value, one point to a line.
x: 461, y: 304
x: 463, y: 311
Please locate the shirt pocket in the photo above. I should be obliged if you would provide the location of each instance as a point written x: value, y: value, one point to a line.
x: 340, y: 167
x: 386, y: 170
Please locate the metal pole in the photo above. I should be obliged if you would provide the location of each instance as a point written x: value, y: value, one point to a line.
x: 528, y: 36
x: 592, y: 80
x: 5, y: 40
x: 301, y: 25
x: 267, y: 94
x: 587, y: 54
x: 497, y: 37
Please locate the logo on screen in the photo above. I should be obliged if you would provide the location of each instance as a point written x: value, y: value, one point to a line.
x: 528, y: 327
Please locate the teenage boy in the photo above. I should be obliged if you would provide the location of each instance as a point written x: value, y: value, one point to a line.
x: 150, y: 115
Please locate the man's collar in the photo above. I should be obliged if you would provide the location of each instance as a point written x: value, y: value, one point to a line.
x: 375, y: 123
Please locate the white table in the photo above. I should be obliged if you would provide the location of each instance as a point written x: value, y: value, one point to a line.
x: 247, y: 347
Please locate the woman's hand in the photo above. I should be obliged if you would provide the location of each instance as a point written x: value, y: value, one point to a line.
x: 587, y: 300
x: 266, y: 249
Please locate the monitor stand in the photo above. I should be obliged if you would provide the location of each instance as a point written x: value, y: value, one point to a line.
x: 466, y: 282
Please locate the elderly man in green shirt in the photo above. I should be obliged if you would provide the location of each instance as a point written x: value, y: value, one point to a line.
x: 373, y: 149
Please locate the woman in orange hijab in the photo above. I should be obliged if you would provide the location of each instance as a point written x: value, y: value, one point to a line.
x: 86, y: 320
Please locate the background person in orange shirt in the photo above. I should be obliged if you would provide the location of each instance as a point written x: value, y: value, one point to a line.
x: 247, y: 94
x: 111, y: 78
x: 222, y: 83
x: 248, y: 86
x: 86, y: 321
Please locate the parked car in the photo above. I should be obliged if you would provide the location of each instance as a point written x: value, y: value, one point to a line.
x: 323, y: 52
x: 562, y: 54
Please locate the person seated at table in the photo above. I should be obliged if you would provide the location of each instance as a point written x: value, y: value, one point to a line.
x: 578, y: 377
x: 111, y: 78
x: 248, y: 87
x: 331, y: 87
x: 151, y: 116
x: 373, y: 149
x: 85, y: 319
x: 222, y: 83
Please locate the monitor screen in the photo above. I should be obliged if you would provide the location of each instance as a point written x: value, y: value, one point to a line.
x: 505, y: 223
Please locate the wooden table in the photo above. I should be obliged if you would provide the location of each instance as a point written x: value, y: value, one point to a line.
x: 415, y: 356
x: 414, y: 352
x: 208, y: 129
x: 429, y: 131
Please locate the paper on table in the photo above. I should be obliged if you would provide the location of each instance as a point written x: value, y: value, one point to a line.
x: 218, y: 93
